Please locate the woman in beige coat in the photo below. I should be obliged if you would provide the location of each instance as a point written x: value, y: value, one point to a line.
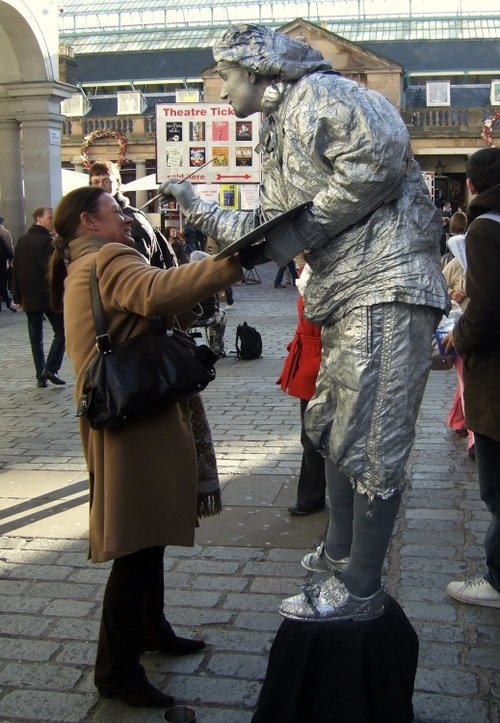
x: 143, y: 474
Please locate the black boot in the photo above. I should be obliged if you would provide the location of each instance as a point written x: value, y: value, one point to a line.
x: 175, y: 645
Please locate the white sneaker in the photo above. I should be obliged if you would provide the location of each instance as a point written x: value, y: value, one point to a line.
x: 475, y: 592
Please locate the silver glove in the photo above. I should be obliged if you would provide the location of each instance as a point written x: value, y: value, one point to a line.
x: 182, y: 191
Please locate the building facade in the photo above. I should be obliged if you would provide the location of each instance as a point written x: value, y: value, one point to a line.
x: 444, y: 101
x: 30, y: 110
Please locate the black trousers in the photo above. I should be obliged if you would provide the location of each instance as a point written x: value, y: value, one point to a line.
x: 5, y: 294
x: 488, y: 470
x: 132, y: 620
x: 311, y: 487
x: 56, y: 351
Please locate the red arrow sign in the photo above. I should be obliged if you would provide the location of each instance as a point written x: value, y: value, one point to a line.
x: 245, y: 177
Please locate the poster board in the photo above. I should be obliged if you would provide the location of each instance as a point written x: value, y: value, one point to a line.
x: 190, y: 134
x: 249, y: 197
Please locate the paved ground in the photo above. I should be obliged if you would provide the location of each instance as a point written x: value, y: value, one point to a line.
x: 228, y: 587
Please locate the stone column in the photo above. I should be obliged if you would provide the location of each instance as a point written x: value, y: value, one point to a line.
x: 37, y: 106
x: 11, y: 177
x: 42, y: 145
x: 140, y: 196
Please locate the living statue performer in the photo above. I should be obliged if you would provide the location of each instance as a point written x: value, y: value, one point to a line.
x: 371, y: 237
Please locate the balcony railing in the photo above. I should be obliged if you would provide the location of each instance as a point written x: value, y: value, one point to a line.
x: 431, y: 122
x: 435, y: 122
x: 138, y: 127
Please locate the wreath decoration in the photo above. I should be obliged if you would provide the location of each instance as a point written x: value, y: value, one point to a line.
x: 487, y: 132
x: 89, y: 139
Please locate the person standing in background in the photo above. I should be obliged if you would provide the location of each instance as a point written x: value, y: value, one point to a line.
x: 476, y: 337
x: 281, y: 272
x: 6, y: 254
x: 178, y: 244
x: 148, y: 240
x: 31, y: 294
x: 298, y: 378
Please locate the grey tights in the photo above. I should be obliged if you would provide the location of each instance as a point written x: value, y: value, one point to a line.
x: 358, y: 529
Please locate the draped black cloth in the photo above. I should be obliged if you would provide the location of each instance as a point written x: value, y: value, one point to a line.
x: 341, y: 672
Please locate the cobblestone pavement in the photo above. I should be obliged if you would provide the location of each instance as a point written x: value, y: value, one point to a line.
x: 228, y: 587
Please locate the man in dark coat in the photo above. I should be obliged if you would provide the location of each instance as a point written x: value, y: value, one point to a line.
x: 31, y: 293
x: 149, y: 241
x: 6, y: 254
x: 476, y: 337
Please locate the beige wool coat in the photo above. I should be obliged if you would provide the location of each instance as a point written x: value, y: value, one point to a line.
x: 143, y: 475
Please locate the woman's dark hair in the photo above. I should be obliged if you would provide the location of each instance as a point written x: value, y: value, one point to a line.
x: 483, y: 169
x: 458, y: 223
x: 66, y: 224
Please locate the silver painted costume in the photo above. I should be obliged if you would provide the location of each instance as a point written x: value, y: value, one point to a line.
x: 372, y: 238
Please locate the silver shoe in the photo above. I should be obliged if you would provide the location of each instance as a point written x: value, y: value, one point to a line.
x: 320, y: 561
x: 331, y: 601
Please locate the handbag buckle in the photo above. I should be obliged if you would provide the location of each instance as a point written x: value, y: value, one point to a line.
x: 104, y: 343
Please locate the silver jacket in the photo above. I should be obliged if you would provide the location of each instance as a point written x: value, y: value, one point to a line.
x: 372, y: 232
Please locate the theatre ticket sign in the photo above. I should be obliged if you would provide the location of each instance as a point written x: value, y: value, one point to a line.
x: 190, y: 135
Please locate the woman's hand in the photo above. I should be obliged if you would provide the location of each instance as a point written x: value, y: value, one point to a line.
x: 449, y: 343
x: 458, y: 296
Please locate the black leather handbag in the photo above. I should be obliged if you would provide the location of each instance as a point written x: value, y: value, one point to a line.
x: 136, y: 376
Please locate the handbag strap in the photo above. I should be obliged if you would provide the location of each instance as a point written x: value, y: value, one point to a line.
x: 102, y: 338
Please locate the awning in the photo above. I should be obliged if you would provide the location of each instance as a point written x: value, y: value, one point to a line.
x: 146, y: 183
x: 73, y: 179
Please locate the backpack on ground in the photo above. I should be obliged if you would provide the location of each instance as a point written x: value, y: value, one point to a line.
x: 248, y: 342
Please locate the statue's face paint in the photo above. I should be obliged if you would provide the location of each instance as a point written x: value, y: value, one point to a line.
x: 241, y: 90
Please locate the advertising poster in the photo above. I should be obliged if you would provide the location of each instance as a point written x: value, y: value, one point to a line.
x: 249, y: 196
x: 197, y: 156
x: 228, y: 195
x: 173, y: 132
x: 188, y: 135
x: 208, y: 192
x: 220, y: 131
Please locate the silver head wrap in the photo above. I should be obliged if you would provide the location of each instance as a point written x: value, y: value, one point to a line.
x: 266, y: 52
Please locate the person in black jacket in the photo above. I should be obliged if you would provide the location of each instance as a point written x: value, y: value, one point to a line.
x: 6, y: 254
x: 149, y: 241
x: 31, y: 294
x: 476, y: 337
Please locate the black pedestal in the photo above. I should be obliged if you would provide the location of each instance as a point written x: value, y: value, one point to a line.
x: 341, y: 672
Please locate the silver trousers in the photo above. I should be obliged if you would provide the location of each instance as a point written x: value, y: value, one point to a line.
x: 374, y: 368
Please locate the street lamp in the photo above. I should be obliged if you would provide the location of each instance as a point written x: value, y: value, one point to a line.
x: 439, y: 169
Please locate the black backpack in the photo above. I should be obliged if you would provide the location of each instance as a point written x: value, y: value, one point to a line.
x: 248, y: 342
